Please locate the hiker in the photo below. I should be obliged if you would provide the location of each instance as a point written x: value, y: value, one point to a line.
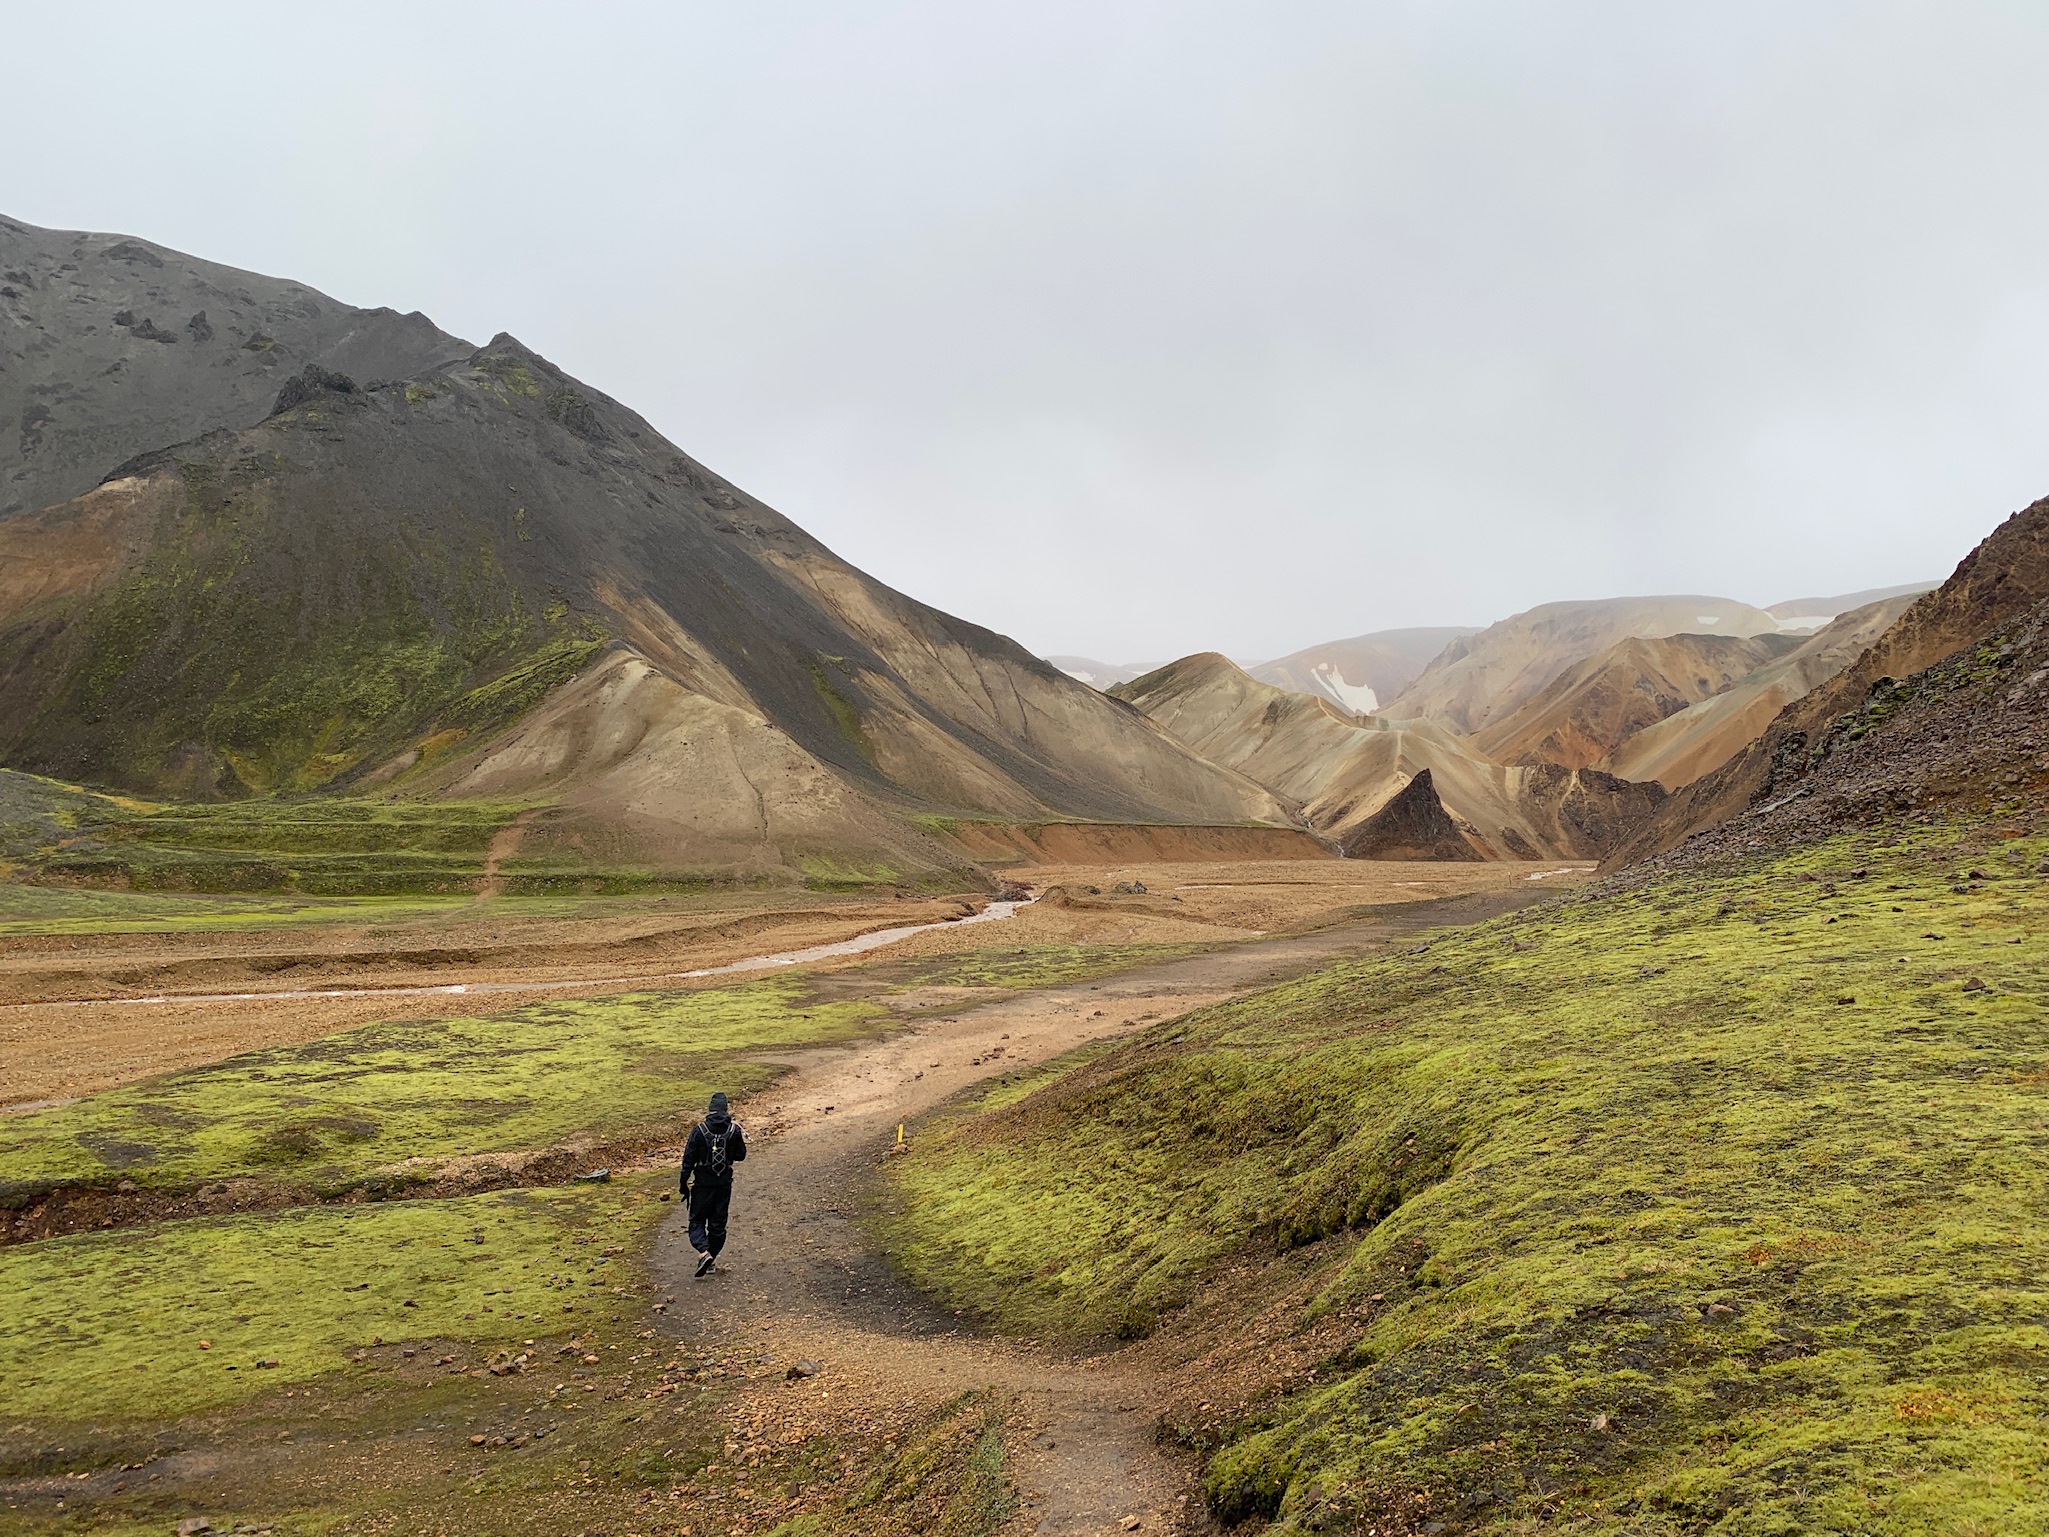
x: 716, y: 1144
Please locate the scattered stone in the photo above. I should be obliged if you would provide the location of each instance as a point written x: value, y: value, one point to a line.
x: 595, y: 1177
x: 197, y: 1526
x: 803, y: 1366
x: 126, y: 1187
x: 476, y: 1440
x: 1599, y: 1423
x: 1131, y: 1523
x: 1975, y: 985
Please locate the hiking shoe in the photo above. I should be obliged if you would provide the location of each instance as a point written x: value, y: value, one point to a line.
x: 703, y: 1266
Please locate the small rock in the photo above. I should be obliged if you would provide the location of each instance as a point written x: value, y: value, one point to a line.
x: 126, y: 1187
x: 595, y: 1177
x: 1600, y: 1423
x: 1132, y: 1523
x: 476, y: 1440
x: 804, y: 1366
x: 1975, y: 985
x: 270, y: 1364
x: 196, y: 1527
x: 1720, y: 1310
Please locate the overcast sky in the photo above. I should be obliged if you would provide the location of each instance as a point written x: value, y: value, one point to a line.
x: 1136, y: 329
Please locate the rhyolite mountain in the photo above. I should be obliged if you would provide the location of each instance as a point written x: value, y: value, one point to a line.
x: 1355, y: 777
x: 458, y: 571
x: 1481, y: 678
x: 1364, y: 672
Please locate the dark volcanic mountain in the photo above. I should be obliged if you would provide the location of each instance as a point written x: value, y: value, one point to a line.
x: 486, y: 579
x: 110, y: 346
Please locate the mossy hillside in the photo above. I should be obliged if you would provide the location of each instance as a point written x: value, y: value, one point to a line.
x: 109, y: 1326
x: 275, y: 638
x: 384, y: 1104
x: 1709, y: 1206
x: 26, y: 910
x: 319, y: 845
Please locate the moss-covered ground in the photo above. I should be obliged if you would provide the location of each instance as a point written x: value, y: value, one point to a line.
x: 192, y: 1315
x: 489, y: 1366
x: 26, y: 910
x: 384, y: 1103
x: 1710, y: 1206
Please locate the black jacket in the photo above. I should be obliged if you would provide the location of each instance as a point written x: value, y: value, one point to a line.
x: 697, y: 1151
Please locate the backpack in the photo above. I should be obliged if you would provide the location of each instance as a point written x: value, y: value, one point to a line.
x: 715, y: 1163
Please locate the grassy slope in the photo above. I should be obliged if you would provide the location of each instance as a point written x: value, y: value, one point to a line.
x: 1744, y: 1163
x: 334, y: 1113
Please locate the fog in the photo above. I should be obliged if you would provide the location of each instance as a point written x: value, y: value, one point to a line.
x: 1137, y: 329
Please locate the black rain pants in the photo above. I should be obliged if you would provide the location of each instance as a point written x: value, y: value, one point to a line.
x: 709, y: 1199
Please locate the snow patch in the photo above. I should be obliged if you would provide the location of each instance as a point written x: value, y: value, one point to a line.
x: 1086, y: 677
x: 1707, y: 618
x: 1356, y: 697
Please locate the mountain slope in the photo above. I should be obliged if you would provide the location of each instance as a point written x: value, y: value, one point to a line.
x: 1679, y: 749
x: 110, y: 346
x: 1344, y: 770
x: 371, y: 587
x: 1363, y: 672
x: 2006, y: 575
x: 1591, y: 708
x: 1484, y: 677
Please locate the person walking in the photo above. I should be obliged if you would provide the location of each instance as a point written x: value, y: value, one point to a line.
x: 716, y: 1144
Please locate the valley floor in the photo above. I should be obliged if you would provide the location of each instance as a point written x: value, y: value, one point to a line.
x: 266, y: 1335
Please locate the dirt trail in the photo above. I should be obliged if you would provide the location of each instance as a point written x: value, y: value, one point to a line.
x: 504, y: 846
x: 799, y: 1279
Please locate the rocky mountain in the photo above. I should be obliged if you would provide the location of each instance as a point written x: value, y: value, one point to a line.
x: 1360, y: 674
x: 1585, y: 713
x: 1489, y: 675
x: 1994, y: 587
x: 1680, y: 748
x: 110, y: 346
x: 484, y: 578
x: 1345, y: 771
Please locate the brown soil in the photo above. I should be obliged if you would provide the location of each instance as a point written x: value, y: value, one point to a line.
x: 1069, y: 843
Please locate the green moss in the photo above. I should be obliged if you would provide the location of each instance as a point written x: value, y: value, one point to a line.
x: 1705, y: 1207
x: 383, y: 1104
x: 846, y: 715
x: 252, y: 652
x: 110, y: 1325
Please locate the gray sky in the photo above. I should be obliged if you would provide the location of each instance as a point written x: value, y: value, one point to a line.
x: 1135, y: 329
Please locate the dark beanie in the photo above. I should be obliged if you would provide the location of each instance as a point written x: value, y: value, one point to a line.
x: 718, y: 1104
